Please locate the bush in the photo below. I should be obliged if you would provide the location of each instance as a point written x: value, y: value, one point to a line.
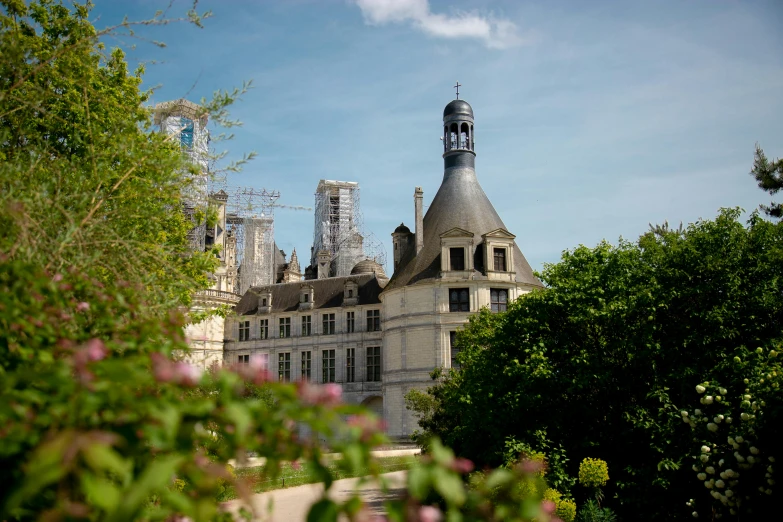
x: 593, y: 473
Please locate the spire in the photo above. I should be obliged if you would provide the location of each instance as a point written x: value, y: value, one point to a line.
x: 293, y: 265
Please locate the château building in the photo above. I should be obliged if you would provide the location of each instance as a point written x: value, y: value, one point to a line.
x: 381, y: 337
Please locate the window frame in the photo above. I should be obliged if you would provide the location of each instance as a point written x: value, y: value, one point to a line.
x: 350, y: 322
x: 499, y: 254
x: 350, y: 365
x: 496, y: 304
x: 373, y: 363
x: 452, y: 258
x: 328, y: 365
x: 244, y: 328
x: 307, y: 365
x: 285, y: 327
x: 284, y: 367
x: 453, y: 349
x: 307, y: 325
x: 263, y: 329
x: 328, y: 322
x: 459, y: 305
x: 243, y: 359
x: 374, y: 320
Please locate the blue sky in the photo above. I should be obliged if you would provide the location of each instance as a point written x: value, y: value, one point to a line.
x: 593, y: 119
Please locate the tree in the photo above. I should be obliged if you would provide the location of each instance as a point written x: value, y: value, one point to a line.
x: 769, y: 175
x: 604, y: 359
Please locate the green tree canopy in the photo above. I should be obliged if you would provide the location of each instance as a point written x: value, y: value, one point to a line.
x: 603, y: 360
x: 769, y: 175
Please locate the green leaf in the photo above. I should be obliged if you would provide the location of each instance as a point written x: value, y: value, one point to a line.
x: 324, y: 510
x: 419, y: 482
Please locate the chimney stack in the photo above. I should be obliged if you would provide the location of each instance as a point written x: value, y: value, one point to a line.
x: 418, y: 199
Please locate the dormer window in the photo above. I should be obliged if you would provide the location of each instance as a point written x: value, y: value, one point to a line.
x: 457, y: 258
x: 500, y: 259
x: 498, y: 255
x: 456, y: 253
x: 265, y: 303
x: 306, y: 297
x: 351, y: 293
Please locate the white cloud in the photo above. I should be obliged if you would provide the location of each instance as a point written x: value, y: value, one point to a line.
x: 495, y: 33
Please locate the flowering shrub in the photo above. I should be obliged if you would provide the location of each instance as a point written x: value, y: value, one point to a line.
x: 736, y: 458
x: 593, y: 473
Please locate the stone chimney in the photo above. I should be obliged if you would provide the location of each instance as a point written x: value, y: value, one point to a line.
x: 418, y: 202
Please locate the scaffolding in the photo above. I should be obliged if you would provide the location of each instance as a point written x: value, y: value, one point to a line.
x: 339, y: 228
x: 186, y: 122
x: 250, y: 221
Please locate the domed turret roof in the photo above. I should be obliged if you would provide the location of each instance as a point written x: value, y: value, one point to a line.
x: 369, y: 266
x: 402, y: 229
x: 458, y: 107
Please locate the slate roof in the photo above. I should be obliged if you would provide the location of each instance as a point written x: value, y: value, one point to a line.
x: 459, y: 202
x: 327, y: 293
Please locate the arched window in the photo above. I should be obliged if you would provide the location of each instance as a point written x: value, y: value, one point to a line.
x: 445, y: 139
x: 463, y: 137
x: 472, y: 139
x: 453, y: 136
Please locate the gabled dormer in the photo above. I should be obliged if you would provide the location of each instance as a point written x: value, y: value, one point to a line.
x: 264, y: 302
x: 306, y: 297
x: 351, y: 293
x: 456, y: 253
x: 499, y: 255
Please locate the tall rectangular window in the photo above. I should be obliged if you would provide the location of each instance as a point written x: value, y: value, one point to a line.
x: 186, y: 134
x: 373, y: 320
x: 284, y: 367
x: 500, y: 259
x: 350, y: 365
x: 350, y: 322
x: 498, y: 299
x: 374, y: 363
x: 244, y: 359
x: 453, y: 349
x: 459, y: 300
x: 263, y: 328
x: 328, y: 365
x: 244, y: 330
x: 285, y: 327
x: 457, y: 258
x: 307, y: 365
x: 328, y: 324
x: 307, y: 325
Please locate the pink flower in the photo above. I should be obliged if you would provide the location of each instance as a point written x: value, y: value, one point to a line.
x: 328, y: 394
x: 296, y: 465
x: 82, y: 307
x: 57, y: 278
x: 462, y: 465
x: 548, y: 507
x: 187, y: 374
x: 430, y: 514
x: 95, y: 350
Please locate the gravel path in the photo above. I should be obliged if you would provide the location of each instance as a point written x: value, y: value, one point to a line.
x: 292, y: 504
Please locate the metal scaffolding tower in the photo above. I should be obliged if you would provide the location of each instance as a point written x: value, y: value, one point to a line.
x: 339, y: 228
x: 250, y: 219
x: 186, y: 122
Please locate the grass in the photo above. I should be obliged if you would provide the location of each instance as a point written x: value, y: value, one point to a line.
x: 290, y: 476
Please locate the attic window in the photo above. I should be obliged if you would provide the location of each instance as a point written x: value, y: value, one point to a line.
x: 457, y: 258
x: 263, y: 301
x: 307, y: 298
x: 500, y: 259
x: 350, y: 292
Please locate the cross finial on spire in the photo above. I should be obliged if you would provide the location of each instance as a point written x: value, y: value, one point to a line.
x: 457, y: 87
